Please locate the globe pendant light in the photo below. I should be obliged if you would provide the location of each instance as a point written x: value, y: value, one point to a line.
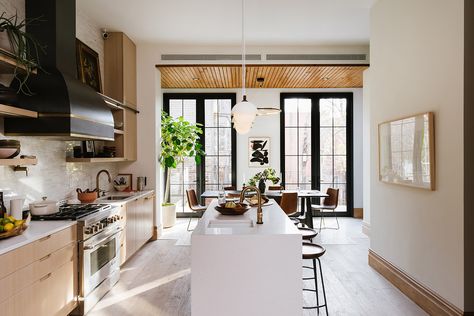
x: 243, y: 113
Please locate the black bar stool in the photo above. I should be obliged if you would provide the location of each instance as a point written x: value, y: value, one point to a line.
x: 307, y: 233
x: 313, y: 252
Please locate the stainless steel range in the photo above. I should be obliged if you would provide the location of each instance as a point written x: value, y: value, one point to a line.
x: 99, y: 228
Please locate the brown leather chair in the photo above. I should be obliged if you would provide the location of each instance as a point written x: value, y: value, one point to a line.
x: 289, y: 203
x: 329, y: 204
x: 231, y: 188
x: 194, y: 205
x: 276, y: 188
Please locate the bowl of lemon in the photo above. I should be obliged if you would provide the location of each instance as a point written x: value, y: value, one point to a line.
x: 10, y: 226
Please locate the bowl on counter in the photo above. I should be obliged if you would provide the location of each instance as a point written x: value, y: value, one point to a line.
x: 15, y: 227
x: 120, y: 187
x: 238, y: 209
x: 87, y: 197
x: 9, y: 148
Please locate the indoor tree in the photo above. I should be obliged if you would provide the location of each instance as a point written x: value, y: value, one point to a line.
x: 179, y: 139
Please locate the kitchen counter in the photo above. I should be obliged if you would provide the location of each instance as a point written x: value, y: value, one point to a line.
x: 129, y: 196
x: 242, y: 268
x: 36, y: 231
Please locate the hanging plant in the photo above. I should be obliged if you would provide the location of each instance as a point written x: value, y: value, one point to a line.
x: 25, y: 49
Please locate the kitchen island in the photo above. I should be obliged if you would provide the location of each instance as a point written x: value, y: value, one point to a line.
x: 239, y: 267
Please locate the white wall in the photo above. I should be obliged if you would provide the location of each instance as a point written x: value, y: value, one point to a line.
x: 417, y: 66
x: 269, y: 126
x: 366, y: 153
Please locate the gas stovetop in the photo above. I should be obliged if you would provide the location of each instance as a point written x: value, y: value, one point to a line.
x: 72, y: 212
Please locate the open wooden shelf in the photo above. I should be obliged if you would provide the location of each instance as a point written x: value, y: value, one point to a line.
x: 8, y: 110
x: 8, y: 63
x: 18, y: 162
x: 98, y: 159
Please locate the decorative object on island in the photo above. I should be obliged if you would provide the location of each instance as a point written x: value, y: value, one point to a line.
x: 259, y: 151
x: 23, y: 48
x: 406, y: 151
x: 262, y: 177
x: 179, y: 140
x: 123, y: 182
x: 88, y: 68
x: 9, y: 148
x: 244, y: 112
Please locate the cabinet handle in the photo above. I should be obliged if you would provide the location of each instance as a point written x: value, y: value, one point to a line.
x: 45, y: 238
x: 45, y: 257
x: 45, y: 277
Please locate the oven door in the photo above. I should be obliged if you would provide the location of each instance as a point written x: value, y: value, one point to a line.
x: 101, y: 258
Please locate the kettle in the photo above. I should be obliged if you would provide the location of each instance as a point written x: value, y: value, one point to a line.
x: 141, y: 183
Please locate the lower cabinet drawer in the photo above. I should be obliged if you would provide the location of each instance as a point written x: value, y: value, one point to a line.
x: 53, y: 242
x: 24, y: 277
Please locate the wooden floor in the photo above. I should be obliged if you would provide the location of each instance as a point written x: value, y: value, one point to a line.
x: 156, y: 281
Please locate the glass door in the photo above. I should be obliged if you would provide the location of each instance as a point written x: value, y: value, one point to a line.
x: 218, y: 167
x: 316, y: 135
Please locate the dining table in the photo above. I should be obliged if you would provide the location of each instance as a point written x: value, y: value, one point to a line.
x: 304, y: 195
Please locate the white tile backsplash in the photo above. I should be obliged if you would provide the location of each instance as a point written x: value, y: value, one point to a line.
x: 52, y: 176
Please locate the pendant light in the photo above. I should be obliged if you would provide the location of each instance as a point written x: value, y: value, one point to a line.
x: 244, y: 112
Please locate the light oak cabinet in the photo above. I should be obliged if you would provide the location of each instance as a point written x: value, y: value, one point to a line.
x: 138, y: 225
x: 120, y: 69
x: 44, y: 281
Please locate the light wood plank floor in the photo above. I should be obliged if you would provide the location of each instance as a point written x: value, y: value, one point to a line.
x: 156, y: 281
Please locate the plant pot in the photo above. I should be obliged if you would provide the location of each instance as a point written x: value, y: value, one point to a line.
x: 261, y: 186
x: 169, y: 215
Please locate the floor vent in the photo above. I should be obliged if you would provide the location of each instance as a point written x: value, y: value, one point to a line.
x: 181, y: 57
x: 347, y: 57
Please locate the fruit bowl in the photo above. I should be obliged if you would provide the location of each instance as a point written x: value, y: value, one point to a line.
x: 18, y: 228
x: 239, y: 209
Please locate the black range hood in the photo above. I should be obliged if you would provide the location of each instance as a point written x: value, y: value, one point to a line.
x: 67, y: 108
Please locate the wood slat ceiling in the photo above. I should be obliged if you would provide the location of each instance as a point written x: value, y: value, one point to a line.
x: 275, y: 76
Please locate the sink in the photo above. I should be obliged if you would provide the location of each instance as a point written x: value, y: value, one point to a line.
x: 221, y: 223
x: 114, y: 198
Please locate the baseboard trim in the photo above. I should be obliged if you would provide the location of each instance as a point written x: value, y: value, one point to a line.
x: 156, y: 233
x: 429, y: 301
x: 366, y: 228
x: 358, y: 212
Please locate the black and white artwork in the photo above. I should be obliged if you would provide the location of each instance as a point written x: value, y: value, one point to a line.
x: 259, y: 151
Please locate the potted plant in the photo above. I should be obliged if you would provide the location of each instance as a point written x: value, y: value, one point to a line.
x: 262, y: 177
x: 22, y: 47
x: 179, y: 139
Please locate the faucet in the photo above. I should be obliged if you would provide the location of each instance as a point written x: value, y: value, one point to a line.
x: 259, y: 203
x: 97, y: 181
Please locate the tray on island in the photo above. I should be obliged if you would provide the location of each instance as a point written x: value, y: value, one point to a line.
x: 239, y: 209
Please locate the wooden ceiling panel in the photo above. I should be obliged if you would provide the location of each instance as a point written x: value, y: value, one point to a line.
x: 275, y: 76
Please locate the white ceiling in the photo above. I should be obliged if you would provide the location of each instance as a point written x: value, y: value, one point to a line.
x: 218, y: 22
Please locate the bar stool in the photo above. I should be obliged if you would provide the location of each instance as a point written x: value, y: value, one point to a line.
x: 307, y: 233
x: 314, y: 252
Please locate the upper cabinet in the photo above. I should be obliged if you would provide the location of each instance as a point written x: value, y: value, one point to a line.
x: 120, y: 69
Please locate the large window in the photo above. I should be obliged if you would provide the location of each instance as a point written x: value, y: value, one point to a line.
x: 316, y: 135
x: 218, y: 166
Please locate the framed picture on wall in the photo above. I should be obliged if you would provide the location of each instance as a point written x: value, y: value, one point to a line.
x: 124, y: 179
x: 88, y: 68
x: 406, y: 151
x: 259, y: 152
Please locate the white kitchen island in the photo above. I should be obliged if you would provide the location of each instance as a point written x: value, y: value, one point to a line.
x: 241, y: 268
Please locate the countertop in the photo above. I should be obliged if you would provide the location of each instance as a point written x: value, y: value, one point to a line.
x: 130, y: 196
x: 275, y: 222
x: 36, y: 231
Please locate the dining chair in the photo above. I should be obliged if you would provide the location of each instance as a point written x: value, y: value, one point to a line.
x: 289, y: 203
x: 231, y: 195
x: 276, y: 188
x: 193, y: 205
x: 229, y: 188
x: 329, y: 204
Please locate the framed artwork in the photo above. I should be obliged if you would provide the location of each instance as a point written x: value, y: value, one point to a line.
x: 124, y: 178
x: 259, y: 152
x: 88, y: 68
x: 406, y: 151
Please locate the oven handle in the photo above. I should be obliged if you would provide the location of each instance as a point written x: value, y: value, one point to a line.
x: 103, y: 240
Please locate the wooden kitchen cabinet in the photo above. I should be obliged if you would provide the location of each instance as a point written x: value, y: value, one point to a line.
x: 120, y: 69
x: 138, y: 225
x: 44, y: 281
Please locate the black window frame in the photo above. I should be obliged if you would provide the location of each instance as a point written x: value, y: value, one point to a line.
x: 315, y: 140
x: 200, y: 118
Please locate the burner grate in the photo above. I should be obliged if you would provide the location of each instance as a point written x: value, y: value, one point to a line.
x: 70, y: 212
